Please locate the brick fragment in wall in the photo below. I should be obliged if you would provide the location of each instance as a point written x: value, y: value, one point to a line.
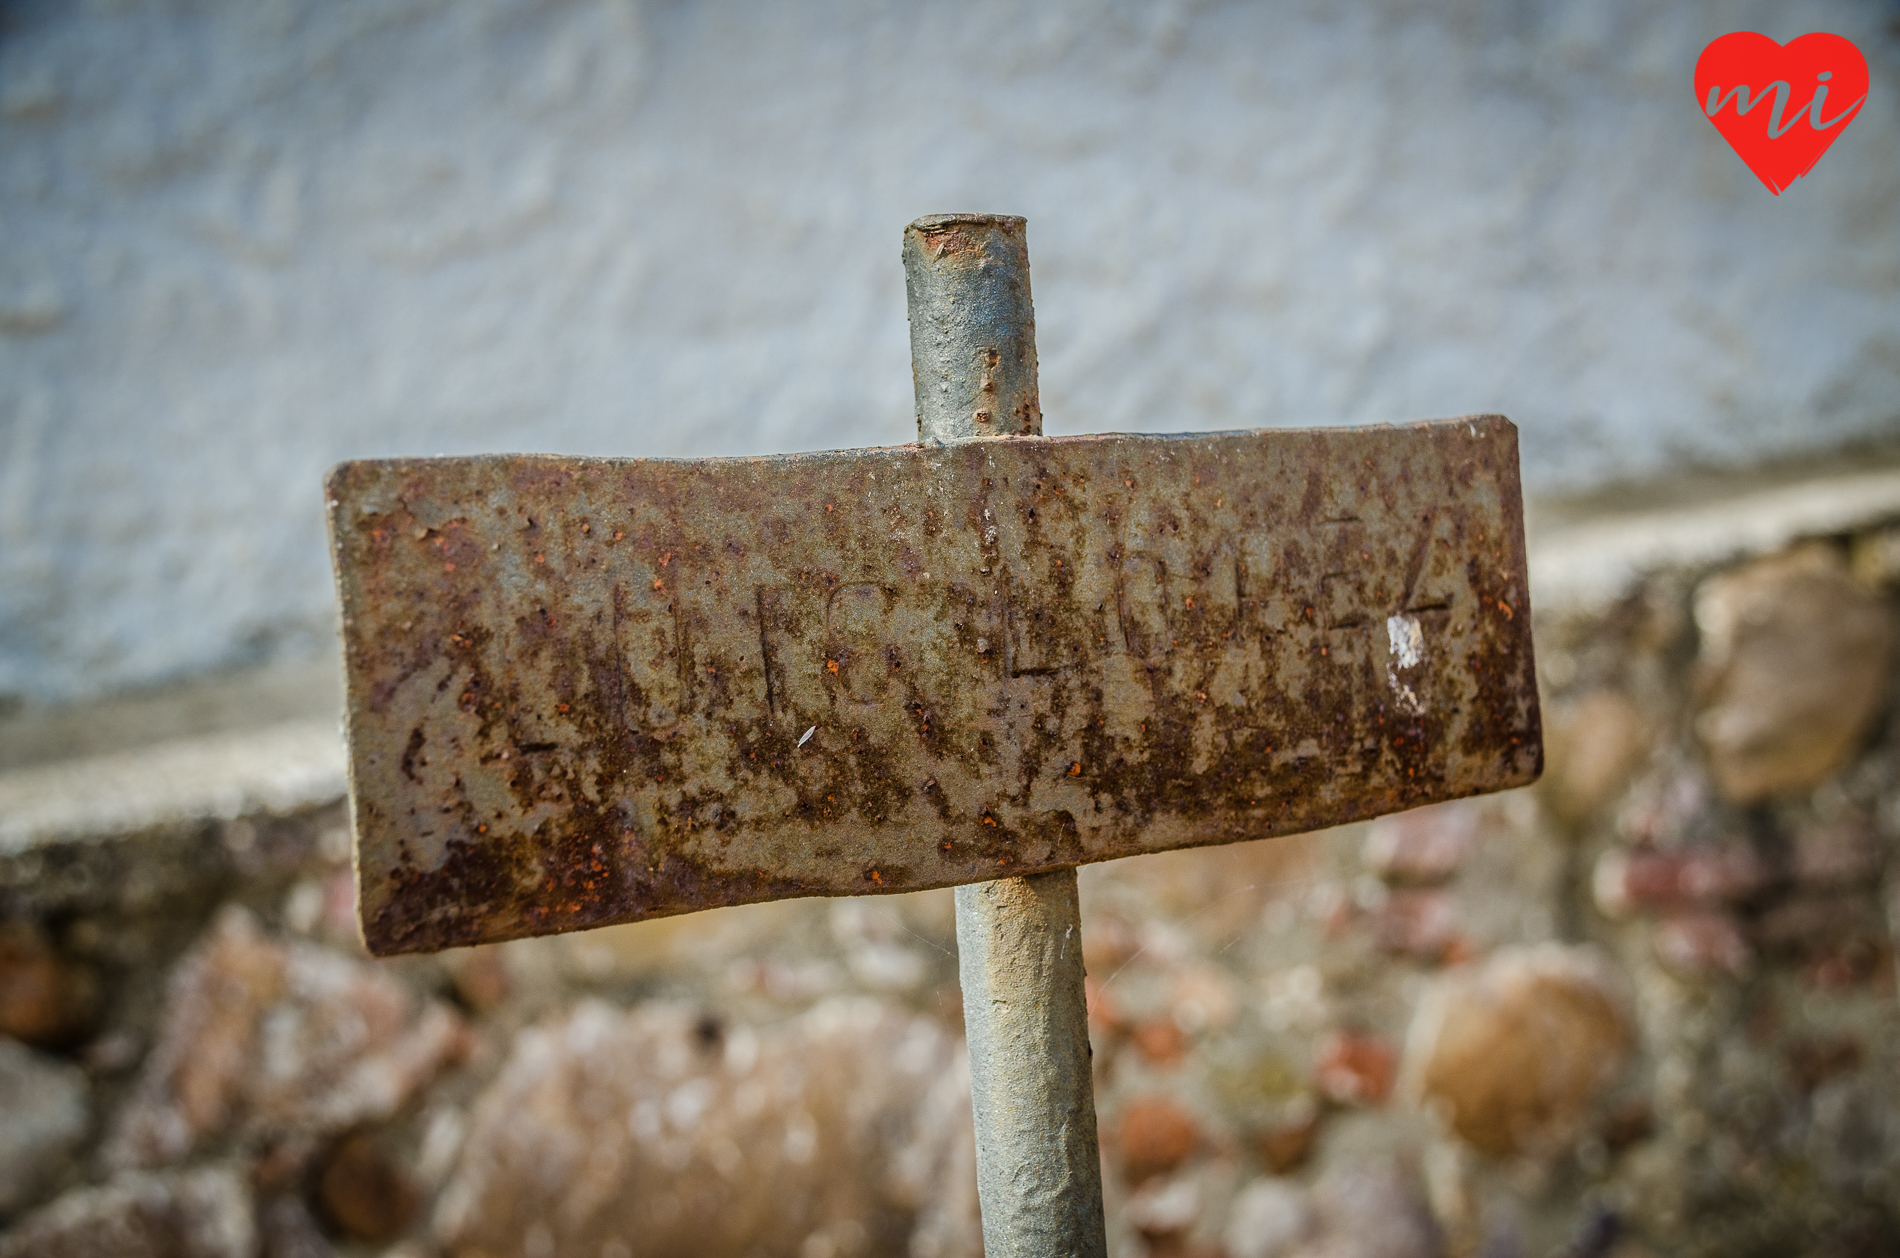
x: 662, y: 1131
x: 44, y: 1114
x: 1812, y: 921
x: 1354, y: 1068
x: 1812, y: 1061
x: 1161, y: 1041
x: 479, y: 976
x: 1793, y: 658
x: 1513, y: 1054
x: 45, y: 999
x: 1422, y: 923
x: 1841, y: 853
x: 1153, y: 1135
x: 1669, y: 811
x: 1425, y: 845
x: 1697, y: 943
x: 1286, y: 1142
x: 260, y: 1037
x: 1627, y: 882
x: 201, y: 1213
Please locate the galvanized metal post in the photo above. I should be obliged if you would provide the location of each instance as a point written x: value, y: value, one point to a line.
x: 1019, y: 940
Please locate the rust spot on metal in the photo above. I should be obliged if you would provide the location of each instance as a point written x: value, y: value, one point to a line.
x: 948, y: 240
x: 1030, y: 654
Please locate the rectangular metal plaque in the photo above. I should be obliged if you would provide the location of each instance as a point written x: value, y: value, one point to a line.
x: 585, y: 691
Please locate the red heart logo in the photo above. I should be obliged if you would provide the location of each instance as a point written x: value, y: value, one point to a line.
x: 1813, y: 86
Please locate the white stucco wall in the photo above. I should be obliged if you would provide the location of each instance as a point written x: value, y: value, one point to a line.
x: 243, y: 239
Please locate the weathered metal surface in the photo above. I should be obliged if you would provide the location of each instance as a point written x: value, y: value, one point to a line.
x: 972, y: 327
x: 1025, y: 1013
x: 587, y: 690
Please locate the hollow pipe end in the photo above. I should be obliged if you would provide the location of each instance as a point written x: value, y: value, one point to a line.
x: 938, y: 222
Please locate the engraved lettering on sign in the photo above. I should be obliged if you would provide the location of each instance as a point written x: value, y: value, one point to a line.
x: 1168, y: 607
x: 1041, y: 643
x: 860, y: 656
x: 540, y: 721
x: 1424, y: 610
x: 1206, y: 612
x: 719, y: 646
x: 1266, y: 608
x: 1141, y: 605
x: 646, y: 626
x: 767, y: 601
x: 1435, y: 570
x: 793, y: 654
x: 1342, y: 593
x: 798, y: 649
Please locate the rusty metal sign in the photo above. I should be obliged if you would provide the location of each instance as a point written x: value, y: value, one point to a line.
x: 585, y: 691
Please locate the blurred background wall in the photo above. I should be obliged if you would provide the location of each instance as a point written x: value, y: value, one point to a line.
x: 243, y: 239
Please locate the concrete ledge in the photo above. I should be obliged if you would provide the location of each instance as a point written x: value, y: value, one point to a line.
x: 1580, y: 566
x: 278, y: 769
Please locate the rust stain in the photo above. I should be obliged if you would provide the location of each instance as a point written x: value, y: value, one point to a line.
x: 1026, y: 654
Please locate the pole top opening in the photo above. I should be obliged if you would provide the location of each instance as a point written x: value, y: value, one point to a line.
x: 938, y: 222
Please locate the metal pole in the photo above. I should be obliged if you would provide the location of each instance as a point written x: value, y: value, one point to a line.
x: 972, y: 327
x: 1019, y: 940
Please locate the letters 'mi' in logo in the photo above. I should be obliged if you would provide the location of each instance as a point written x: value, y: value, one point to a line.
x: 1740, y: 71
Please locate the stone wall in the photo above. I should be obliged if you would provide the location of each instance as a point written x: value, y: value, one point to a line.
x: 245, y: 239
x: 1647, y: 1007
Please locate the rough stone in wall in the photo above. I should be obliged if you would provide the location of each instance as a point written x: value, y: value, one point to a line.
x: 201, y: 1213
x: 1371, y: 1209
x: 363, y: 1192
x: 44, y: 1113
x: 664, y: 1131
x: 263, y: 1039
x: 1514, y: 1053
x: 1875, y: 559
x: 1795, y: 659
x: 1591, y: 747
x: 286, y: 1228
x: 1269, y: 1217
